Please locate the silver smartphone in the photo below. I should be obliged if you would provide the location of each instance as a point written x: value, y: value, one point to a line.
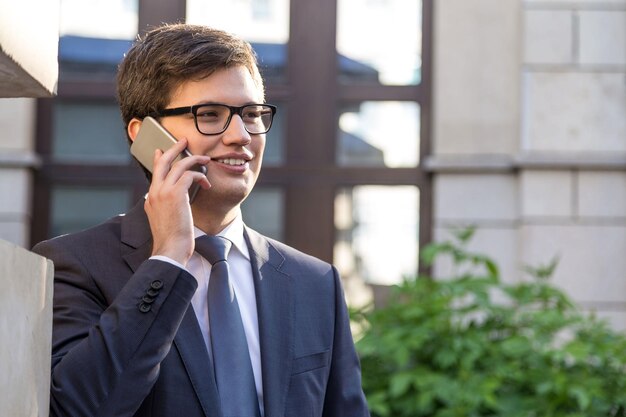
x: 153, y: 136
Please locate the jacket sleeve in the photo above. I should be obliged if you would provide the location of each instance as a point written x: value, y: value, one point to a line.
x: 106, y: 354
x: 344, y: 394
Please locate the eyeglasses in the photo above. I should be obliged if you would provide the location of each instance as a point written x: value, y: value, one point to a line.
x: 214, y: 118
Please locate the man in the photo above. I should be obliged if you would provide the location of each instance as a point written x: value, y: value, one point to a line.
x: 135, y: 332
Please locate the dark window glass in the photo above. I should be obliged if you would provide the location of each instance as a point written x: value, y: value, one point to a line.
x: 263, y: 211
x: 274, y: 146
x: 75, y: 208
x: 87, y: 132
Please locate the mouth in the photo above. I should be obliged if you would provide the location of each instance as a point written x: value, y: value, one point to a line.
x: 232, y: 161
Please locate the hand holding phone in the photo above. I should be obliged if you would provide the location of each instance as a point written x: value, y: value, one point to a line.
x: 153, y: 136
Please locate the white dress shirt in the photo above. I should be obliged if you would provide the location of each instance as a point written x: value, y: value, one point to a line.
x: 240, y: 274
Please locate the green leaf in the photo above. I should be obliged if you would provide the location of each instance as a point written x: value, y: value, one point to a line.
x: 378, y: 404
x: 578, y: 349
x: 445, y: 358
x: 543, y: 271
x: 492, y: 268
x: 430, y: 252
x: 581, y: 396
x: 400, y: 384
x: 465, y: 235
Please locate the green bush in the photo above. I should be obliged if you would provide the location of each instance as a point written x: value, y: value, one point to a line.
x: 471, y: 345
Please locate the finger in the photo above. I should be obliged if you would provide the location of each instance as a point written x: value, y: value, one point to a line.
x: 190, y: 177
x: 163, y: 163
x: 175, y: 149
x: 186, y: 164
x: 157, y: 174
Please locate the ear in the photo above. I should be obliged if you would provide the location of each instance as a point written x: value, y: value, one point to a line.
x: 133, y: 128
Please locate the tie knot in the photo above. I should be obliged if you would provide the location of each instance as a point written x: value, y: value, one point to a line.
x: 213, y: 248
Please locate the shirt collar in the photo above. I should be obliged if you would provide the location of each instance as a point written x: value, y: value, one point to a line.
x: 232, y: 232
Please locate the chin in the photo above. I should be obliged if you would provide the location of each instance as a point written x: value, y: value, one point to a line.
x: 227, y: 198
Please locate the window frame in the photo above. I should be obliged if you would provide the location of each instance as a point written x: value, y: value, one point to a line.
x: 309, y: 175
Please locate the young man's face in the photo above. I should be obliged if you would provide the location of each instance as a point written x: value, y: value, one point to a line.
x: 231, y: 180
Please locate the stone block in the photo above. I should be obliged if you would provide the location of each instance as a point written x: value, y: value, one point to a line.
x: 602, y: 37
x: 477, y: 55
x: 546, y: 193
x: 17, y: 123
x: 602, y: 194
x: 25, y: 331
x: 592, y: 265
x: 14, y: 188
x: 548, y: 37
x: 574, y: 112
x: 475, y: 198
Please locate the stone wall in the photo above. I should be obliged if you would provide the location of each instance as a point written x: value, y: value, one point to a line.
x: 574, y: 112
x: 530, y: 138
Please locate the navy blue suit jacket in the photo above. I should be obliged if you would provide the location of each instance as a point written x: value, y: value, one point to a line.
x: 113, y: 354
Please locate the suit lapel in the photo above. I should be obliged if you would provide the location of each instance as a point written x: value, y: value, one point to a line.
x: 194, y: 355
x: 136, y: 239
x: 275, y: 311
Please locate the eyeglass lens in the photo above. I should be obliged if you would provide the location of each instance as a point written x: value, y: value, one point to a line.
x: 214, y: 118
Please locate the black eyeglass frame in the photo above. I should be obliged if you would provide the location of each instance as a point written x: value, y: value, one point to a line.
x: 177, y: 111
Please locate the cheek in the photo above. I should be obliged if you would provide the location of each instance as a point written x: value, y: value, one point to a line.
x: 258, y: 147
x: 196, y: 147
x: 199, y: 144
x: 181, y: 128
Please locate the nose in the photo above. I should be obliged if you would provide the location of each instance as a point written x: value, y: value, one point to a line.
x: 236, y: 132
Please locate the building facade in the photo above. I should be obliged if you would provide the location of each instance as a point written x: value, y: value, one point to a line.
x: 512, y: 118
x: 529, y: 140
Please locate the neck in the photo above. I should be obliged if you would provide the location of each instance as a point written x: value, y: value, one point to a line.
x: 214, y: 220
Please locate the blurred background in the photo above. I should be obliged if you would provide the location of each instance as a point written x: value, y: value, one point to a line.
x: 398, y: 121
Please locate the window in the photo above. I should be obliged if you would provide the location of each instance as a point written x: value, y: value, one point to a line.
x: 87, y: 174
x: 108, y: 19
x: 342, y: 171
x: 379, y: 133
x: 377, y: 232
x: 383, y: 36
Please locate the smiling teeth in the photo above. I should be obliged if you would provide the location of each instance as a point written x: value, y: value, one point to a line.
x: 232, y: 161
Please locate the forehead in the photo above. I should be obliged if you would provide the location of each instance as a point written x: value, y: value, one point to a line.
x: 234, y: 86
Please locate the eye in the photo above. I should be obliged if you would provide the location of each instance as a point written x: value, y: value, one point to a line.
x: 251, y: 113
x: 207, y: 114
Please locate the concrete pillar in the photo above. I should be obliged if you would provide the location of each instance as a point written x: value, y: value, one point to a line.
x: 25, y: 332
x: 29, y: 37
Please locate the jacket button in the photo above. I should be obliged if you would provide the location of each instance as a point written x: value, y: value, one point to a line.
x: 156, y: 284
x: 147, y: 299
x: 152, y: 293
x: 144, y: 308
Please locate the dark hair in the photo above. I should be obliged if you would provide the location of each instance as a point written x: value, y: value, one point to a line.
x: 169, y: 55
